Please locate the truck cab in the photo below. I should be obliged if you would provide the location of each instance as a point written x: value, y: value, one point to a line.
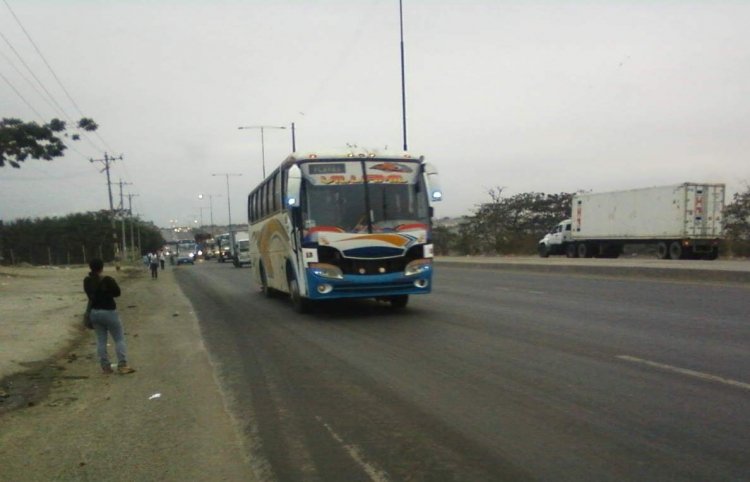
x: 556, y: 241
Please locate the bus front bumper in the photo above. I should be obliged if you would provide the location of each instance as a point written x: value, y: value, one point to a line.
x: 368, y: 286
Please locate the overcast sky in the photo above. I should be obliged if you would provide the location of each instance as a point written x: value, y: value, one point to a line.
x: 529, y: 96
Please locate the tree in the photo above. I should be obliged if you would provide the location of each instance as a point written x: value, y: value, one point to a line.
x: 737, y: 223
x: 513, y: 225
x: 22, y: 140
x: 74, y: 238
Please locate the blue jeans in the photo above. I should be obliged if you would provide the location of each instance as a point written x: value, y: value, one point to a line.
x: 108, y: 321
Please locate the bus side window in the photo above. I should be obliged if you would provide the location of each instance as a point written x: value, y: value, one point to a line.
x: 250, y: 208
x: 277, y: 191
x: 263, y: 208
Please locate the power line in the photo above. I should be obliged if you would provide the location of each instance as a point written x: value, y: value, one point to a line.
x: 22, y: 97
x: 59, y: 108
x: 28, y: 81
x: 54, y: 75
x: 43, y: 58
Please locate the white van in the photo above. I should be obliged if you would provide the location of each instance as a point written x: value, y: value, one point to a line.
x: 242, y: 250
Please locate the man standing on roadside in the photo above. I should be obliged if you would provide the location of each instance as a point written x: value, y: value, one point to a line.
x: 162, y: 259
x: 154, y: 264
x: 102, y: 291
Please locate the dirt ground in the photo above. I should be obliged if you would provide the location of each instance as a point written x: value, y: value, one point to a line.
x: 40, y: 309
x: 62, y: 419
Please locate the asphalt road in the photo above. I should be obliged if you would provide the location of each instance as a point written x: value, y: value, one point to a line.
x: 497, y: 375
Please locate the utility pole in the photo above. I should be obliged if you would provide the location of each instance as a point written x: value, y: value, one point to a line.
x: 107, y: 161
x: 132, y: 222
x: 122, y: 219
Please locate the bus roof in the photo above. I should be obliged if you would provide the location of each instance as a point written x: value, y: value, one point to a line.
x: 351, y: 153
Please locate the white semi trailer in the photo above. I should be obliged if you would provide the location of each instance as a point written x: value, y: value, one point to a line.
x: 684, y: 221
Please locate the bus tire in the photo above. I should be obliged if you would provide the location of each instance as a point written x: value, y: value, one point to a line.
x: 300, y: 304
x: 267, y: 291
x: 399, y: 302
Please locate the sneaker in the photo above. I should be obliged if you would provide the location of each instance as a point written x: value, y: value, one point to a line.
x: 107, y: 370
x: 125, y: 370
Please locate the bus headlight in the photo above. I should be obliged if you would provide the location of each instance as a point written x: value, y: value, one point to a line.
x: 418, y: 266
x: 326, y: 270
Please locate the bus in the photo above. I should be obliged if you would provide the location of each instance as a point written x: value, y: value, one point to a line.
x: 344, y: 224
x: 187, y: 250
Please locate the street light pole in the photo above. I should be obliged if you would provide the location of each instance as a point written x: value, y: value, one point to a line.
x: 210, y: 208
x: 403, y: 74
x: 262, y: 142
x: 229, y: 204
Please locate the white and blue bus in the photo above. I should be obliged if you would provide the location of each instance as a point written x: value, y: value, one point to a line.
x: 347, y: 224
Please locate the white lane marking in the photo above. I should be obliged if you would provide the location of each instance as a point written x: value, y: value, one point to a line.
x: 520, y: 290
x: 685, y: 371
x: 375, y: 474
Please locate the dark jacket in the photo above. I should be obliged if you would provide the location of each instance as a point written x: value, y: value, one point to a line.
x: 101, y: 291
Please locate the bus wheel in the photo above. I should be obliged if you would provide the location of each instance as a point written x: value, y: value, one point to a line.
x: 399, y: 302
x: 300, y: 304
x: 264, y: 288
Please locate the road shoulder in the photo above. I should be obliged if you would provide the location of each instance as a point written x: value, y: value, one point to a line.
x: 167, y: 421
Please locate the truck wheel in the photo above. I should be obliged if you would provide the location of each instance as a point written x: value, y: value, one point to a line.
x: 583, y: 250
x: 570, y: 251
x: 662, y: 250
x: 675, y: 250
x: 543, y: 251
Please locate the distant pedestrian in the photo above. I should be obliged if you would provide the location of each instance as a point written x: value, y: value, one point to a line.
x: 162, y: 259
x: 154, y: 264
x: 102, y: 291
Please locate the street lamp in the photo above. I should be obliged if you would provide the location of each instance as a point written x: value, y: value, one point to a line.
x: 262, y: 142
x: 210, y: 207
x: 229, y: 204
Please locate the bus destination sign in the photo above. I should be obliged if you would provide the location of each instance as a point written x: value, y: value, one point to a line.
x: 338, y: 168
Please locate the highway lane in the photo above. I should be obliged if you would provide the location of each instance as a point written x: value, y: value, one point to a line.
x: 495, y: 376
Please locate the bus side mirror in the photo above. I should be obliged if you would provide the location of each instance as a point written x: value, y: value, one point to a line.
x: 293, y: 187
x: 433, y: 183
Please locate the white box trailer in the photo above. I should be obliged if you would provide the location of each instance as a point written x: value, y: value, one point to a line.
x: 683, y: 220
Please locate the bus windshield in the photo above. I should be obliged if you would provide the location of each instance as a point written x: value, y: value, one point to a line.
x: 364, y: 195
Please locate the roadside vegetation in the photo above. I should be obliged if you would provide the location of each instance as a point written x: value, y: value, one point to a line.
x: 71, y: 239
x: 513, y: 225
